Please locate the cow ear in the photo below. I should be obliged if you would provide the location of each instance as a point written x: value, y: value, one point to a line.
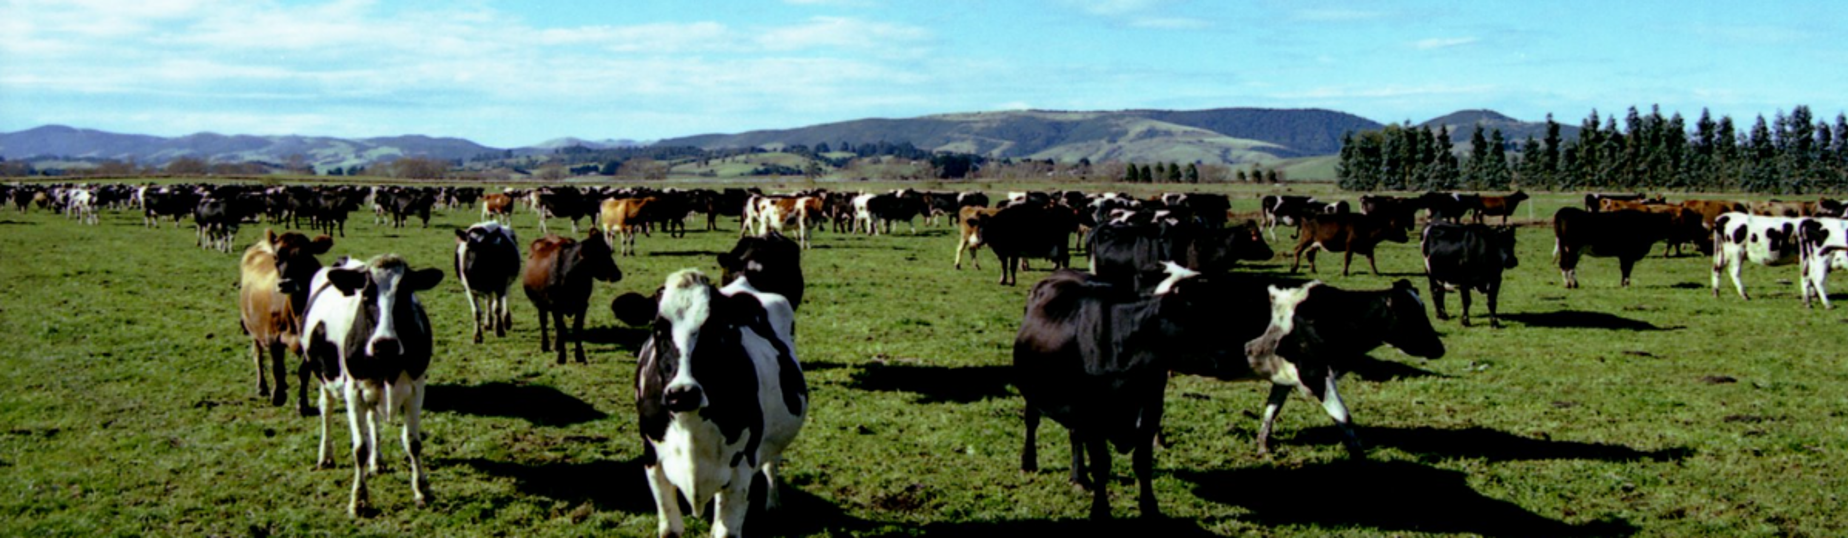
x: 270, y: 235
x: 320, y: 245
x: 423, y: 279
x: 349, y: 280
x: 728, y: 261
x: 635, y: 310
x: 461, y: 235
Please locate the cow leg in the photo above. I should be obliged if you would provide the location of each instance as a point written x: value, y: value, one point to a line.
x: 544, y: 343
x: 732, y: 503
x: 474, y: 309
x: 773, y: 494
x: 1463, y: 291
x: 558, y: 327
x: 362, y: 452
x: 1347, y: 260
x: 1078, y: 477
x: 1735, y: 269
x: 1029, y: 451
x: 1143, y: 461
x: 960, y: 247
x: 1331, y: 403
x: 279, y: 368
x: 256, y: 355
x: 1272, y: 406
x: 1437, y: 299
x: 577, y: 337
x: 669, y: 521
x: 413, y: 445
x: 325, y: 460
x: 503, y: 318
x: 1492, y: 294
x: 1099, y: 449
x: 1625, y: 265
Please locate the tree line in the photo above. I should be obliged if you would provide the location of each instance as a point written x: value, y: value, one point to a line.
x: 1791, y: 154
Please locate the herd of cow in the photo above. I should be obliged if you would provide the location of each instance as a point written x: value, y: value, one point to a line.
x: 720, y: 393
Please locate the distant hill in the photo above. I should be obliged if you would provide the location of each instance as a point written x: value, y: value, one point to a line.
x: 322, y: 152
x: 1227, y: 136
x: 1463, y: 123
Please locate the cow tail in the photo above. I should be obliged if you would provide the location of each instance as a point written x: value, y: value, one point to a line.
x: 1555, y: 248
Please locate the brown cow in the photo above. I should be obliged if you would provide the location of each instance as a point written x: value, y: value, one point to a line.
x: 1712, y: 209
x: 272, y: 292
x: 768, y: 214
x: 1502, y: 206
x: 558, y: 278
x: 1775, y: 208
x: 970, y: 219
x: 625, y: 216
x: 1348, y: 233
x: 497, y: 206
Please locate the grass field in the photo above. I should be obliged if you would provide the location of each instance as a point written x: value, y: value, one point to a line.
x: 128, y: 406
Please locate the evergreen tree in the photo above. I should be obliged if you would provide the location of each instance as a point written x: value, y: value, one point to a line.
x: 1449, y: 176
x: 1475, y: 172
x: 1760, y: 153
x: 1272, y: 177
x: 1193, y: 173
x: 1497, y: 176
x: 1549, y: 154
x: 1239, y: 176
x: 1530, y: 167
x: 1130, y: 174
x: 1146, y: 175
x: 1174, y: 172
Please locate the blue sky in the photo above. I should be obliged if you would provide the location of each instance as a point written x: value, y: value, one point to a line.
x: 517, y: 73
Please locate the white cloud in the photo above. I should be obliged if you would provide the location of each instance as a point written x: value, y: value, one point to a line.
x: 1443, y: 42
x: 1110, y: 8
x: 1170, y: 23
x: 1336, y: 15
x: 840, y: 32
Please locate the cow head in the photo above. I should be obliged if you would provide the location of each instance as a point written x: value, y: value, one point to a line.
x: 696, y: 330
x: 771, y: 262
x: 1410, y: 330
x: 1263, y: 352
x: 295, y: 261
x: 1504, y: 246
x: 386, y: 285
x: 486, y: 233
x: 594, y: 255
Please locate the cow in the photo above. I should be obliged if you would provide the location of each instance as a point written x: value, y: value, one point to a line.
x: 875, y: 209
x: 1710, y: 210
x: 1209, y: 209
x: 624, y: 216
x: 1742, y: 237
x: 487, y: 263
x: 969, y: 222
x: 1348, y: 234
x: 215, y: 226
x: 1026, y: 230
x: 566, y: 202
x: 1133, y: 255
x: 1467, y: 257
x: 1687, y: 224
x: 1502, y: 206
x: 498, y: 207
x: 1834, y: 209
x: 369, y: 335
x: 1095, y: 357
x: 172, y: 202
x: 558, y: 280
x: 719, y: 396
x: 770, y: 214
x: 727, y: 202
x: 1448, y: 206
x: 1626, y: 235
x: 82, y: 206
x: 1401, y: 212
x: 408, y: 202
x: 772, y: 262
x: 1317, y: 330
x: 1282, y: 209
x: 273, y: 280
x: 1824, y: 242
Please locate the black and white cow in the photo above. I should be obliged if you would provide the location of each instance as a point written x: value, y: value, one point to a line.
x: 1317, y: 330
x: 1741, y: 237
x: 1467, y: 257
x: 487, y: 264
x: 719, y: 395
x: 772, y: 262
x: 367, y: 335
x: 1825, y: 248
x: 1133, y: 254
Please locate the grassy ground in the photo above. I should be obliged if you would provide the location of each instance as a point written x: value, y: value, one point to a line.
x: 1657, y: 410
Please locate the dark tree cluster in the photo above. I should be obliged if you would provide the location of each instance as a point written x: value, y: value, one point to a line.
x: 1793, y: 153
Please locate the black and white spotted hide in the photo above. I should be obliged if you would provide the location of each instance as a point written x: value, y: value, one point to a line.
x: 370, y: 336
x: 487, y: 263
x: 719, y: 395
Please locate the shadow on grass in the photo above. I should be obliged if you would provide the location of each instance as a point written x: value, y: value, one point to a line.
x: 16, y: 223
x: 622, y: 486
x: 936, y: 384
x: 1485, y: 443
x: 629, y: 338
x: 1580, y: 319
x: 684, y: 253
x: 1388, y: 496
x: 1371, y: 369
x: 1131, y: 526
x: 537, y: 404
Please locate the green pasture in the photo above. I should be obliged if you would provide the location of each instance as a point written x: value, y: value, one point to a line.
x: 127, y: 405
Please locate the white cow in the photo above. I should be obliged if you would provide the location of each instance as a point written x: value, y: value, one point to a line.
x: 1824, y: 242
x: 1740, y: 237
x: 368, y: 337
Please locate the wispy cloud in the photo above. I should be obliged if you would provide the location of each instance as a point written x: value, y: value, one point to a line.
x: 1110, y: 8
x: 1170, y: 23
x: 1443, y: 42
x: 1336, y: 15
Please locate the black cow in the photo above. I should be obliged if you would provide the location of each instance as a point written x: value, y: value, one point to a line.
x: 566, y: 202
x: 1461, y: 258
x: 1449, y: 206
x: 1318, y: 331
x: 1028, y: 230
x: 1401, y: 212
x: 1133, y: 254
x: 408, y: 202
x: 1209, y: 209
x: 487, y: 263
x: 771, y: 262
x: 1626, y: 235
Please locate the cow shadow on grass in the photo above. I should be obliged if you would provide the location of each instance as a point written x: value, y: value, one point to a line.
x: 936, y: 384
x: 1581, y: 319
x: 1384, y: 495
x: 537, y: 404
x: 684, y: 253
x: 1371, y: 369
x: 1131, y: 526
x: 629, y: 338
x: 10, y: 222
x: 622, y: 486
x: 1488, y: 444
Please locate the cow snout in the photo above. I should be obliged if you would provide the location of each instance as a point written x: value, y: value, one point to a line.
x: 684, y: 398
x: 385, y: 347
x: 1260, y: 347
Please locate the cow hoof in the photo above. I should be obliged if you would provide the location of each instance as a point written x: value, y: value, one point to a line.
x: 1464, y: 320
x: 306, y: 411
x: 324, y: 464
x: 477, y: 338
